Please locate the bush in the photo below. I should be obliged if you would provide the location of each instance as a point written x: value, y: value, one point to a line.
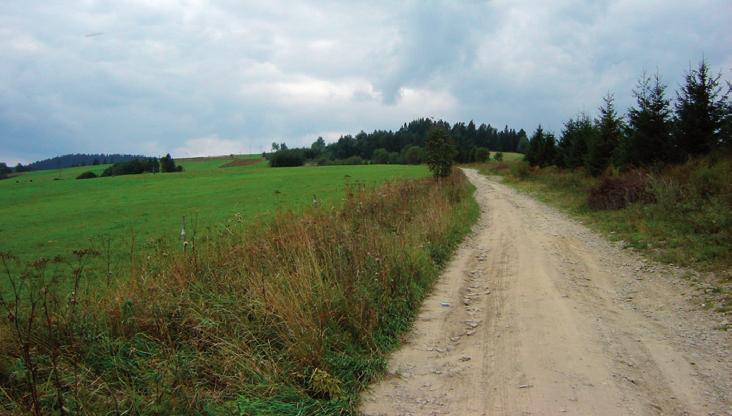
x: 394, y: 158
x: 287, y: 158
x: 413, y: 155
x: 520, y: 170
x: 380, y: 156
x: 617, y: 192
x: 167, y: 164
x: 482, y: 154
x: 87, y: 175
x: 498, y: 157
x: 353, y: 160
x: 133, y: 167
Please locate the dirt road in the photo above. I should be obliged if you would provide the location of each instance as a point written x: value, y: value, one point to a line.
x: 537, y: 315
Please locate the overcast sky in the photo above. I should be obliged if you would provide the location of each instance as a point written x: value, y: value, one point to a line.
x: 216, y: 77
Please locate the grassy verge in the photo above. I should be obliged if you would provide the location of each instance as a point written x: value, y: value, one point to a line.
x: 292, y: 317
x: 688, y: 221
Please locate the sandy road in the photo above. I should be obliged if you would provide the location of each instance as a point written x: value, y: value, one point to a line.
x: 537, y: 315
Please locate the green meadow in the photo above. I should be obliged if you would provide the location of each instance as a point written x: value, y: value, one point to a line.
x: 50, y: 213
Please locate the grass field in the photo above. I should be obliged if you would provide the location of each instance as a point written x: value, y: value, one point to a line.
x: 49, y: 213
x: 294, y: 316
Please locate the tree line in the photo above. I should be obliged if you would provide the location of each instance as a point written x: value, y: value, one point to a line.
x: 653, y: 132
x: 404, y: 146
x: 81, y: 159
x: 137, y: 166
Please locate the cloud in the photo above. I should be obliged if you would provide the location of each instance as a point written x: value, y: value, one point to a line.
x: 167, y: 71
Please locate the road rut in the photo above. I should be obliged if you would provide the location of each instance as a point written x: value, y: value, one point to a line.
x: 537, y: 315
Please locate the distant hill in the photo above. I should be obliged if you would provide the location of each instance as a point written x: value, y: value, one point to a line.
x: 81, y: 159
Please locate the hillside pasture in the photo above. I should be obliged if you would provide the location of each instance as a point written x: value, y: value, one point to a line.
x: 50, y: 213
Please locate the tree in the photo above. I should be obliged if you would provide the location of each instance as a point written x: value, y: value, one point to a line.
x: 702, y: 113
x: 380, y: 156
x: 602, y: 148
x: 482, y: 154
x: 167, y: 164
x: 395, y: 158
x: 572, y: 147
x: 649, y: 138
x: 542, y: 149
x: 287, y: 157
x: 4, y: 170
x: 133, y: 167
x: 318, y: 146
x: 20, y: 168
x: 413, y: 155
x: 523, y: 142
x: 87, y: 175
x: 439, y: 152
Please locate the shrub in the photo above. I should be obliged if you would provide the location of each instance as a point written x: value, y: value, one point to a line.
x: 87, y: 175
x: 167, y: 164
x: 4, y: 170
x: 380, y: 156
x: 133, y: 167
x: 498, y: 157
x: 617, y: 192
x: 482, y: 154
x: 394, y: 158
x: 520, y: 170
x: 414, y: 155
x: 287, y: 158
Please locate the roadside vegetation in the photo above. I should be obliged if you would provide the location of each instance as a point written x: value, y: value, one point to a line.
x: 291, y: 316
x: 658, y: 179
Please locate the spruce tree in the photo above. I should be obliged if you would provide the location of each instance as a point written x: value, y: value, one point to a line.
x: 649, y: 139
x: 702, y: 113
x: 603, y: 147
x: 542, y: 149
x: 572, y: 147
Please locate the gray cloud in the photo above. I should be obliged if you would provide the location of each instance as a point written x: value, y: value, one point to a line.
x: 224, y: 76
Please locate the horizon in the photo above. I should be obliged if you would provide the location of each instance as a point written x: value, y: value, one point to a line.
x: 199, y: 79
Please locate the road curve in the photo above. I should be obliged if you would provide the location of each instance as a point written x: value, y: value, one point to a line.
x: 537, y: 315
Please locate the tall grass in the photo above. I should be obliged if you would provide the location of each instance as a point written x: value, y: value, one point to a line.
x: 289, y: 317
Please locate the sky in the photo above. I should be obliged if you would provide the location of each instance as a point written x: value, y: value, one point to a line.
x: 197, y: 77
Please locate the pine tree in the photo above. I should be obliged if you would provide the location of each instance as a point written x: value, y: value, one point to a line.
x: 523, y: 142
x: 649, y: 139
x: 167, y: 164
x: 572, y: 147
x: 542, y: 149
x: 702, y: 113
x: 603, y: 147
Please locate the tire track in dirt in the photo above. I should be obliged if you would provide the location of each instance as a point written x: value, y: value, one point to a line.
x: 537, y: 315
